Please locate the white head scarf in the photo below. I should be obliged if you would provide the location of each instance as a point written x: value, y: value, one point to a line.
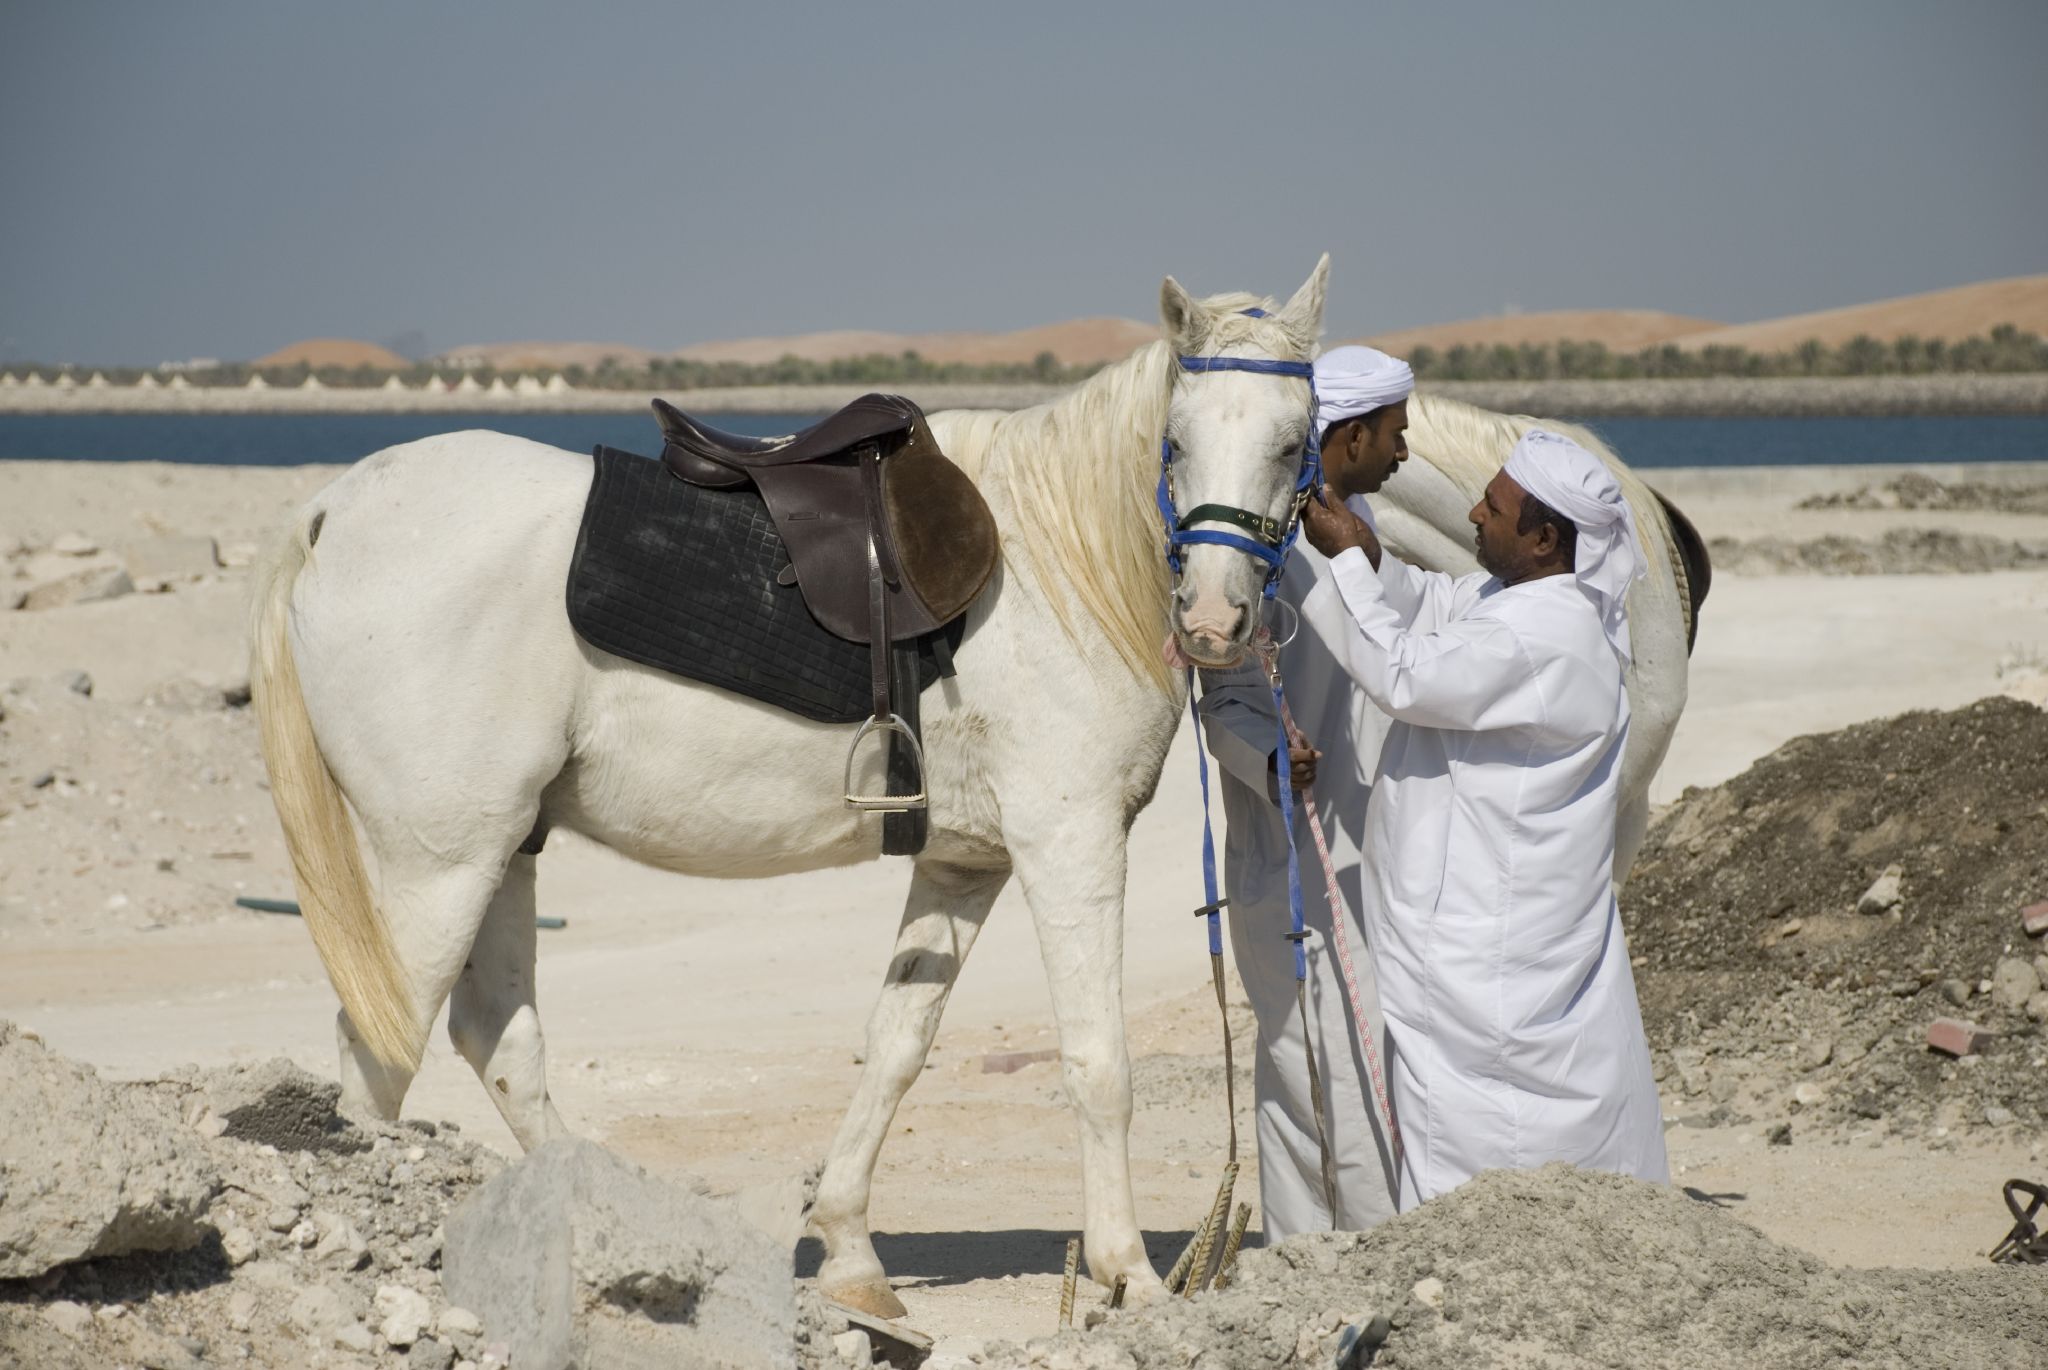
x: 1579, y: 485
x: 1357, y: 380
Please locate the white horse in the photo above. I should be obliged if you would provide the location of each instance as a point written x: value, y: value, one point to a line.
x: 412, y: 652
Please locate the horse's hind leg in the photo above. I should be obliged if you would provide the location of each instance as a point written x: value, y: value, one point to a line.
x: 941, y: 919
x: 491, y: 1015
x: 432, y: 908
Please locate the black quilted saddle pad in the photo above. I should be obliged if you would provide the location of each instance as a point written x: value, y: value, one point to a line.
x: 684, y: 579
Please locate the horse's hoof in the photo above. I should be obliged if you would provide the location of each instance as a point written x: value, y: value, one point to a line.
x: 1143, y: 1289
x: 872, y: 1297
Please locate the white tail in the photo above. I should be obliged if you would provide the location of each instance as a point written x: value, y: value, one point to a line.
x: 334, y: 889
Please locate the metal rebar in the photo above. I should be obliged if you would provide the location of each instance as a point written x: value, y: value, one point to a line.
x: 1231, y: 1244
x: 1067, y: 1282
x: 1116, y: 1295
x: 1212, y: 1233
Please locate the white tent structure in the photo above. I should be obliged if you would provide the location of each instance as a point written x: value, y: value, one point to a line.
x: 98, y: 381
x: 256, y: 382
x: 467, y: 385
x: 312, y: 382
x: 528, y: 385
x: 498, y: 387
x: 66, y: 381
x: 148, y: 381
x: 8, y: 380
x: 35, y: 380
x: 558, y: 384
x: 391, y: 382
x: 178, y: 383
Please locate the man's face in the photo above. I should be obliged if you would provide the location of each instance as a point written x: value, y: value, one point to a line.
x: 1363, y: 455
x: 1504, y: 550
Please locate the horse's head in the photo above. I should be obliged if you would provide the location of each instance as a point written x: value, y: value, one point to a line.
x: 1235, y: 439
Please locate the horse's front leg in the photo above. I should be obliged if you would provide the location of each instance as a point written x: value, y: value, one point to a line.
x: 941, y: 919
x: 1071, y: 860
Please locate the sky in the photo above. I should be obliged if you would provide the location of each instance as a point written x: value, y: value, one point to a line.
x: 221, y: 179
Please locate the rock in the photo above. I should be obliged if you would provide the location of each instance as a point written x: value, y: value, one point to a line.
x: 428, y: 1354
x: 171, y: 558
x: 281, y: 1219
x: 2037, y: 1007
x: 1780, y: 1134
x: 353, y: 1337
x: 318, y: 1310
x: 1429, y: 1292
x: 241, y: 1310
x: 457, y: 1321
x: 1817, y: 1053
x: 576, y: 1257
x: 1956, y: 1037
x: 90, y: 1171
x: 238, y: 1244
x: 340, y: 1247
x: 1807, y: 1094
x: 854, y: 1347
x: 1998, y: 1117
x: 2013, y: 982
x: 2041, y: 970
x: 406, y: 1314
x: 1955, y: 992
x: 1885, y: 892
x: 277, y: 1104
x: 76, y: 681
x: 82, y: 587
x: 74, y: 545
x: 1691, y: 1065
x: 74, y: 1320
x: 2034, y: 919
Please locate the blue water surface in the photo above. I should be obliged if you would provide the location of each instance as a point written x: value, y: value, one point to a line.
x: 300, y: 439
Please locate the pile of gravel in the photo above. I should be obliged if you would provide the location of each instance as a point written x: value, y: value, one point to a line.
x: 1765, y: 988
x: 1563, y: 1268
x: 1900, y: 551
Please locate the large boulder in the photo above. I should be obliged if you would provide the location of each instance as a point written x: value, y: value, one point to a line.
x: 576, y: 1258
x: 89, y: 1171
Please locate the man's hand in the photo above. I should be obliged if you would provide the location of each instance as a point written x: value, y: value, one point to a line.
x: 1331, y: 528
x: 1301, y: 765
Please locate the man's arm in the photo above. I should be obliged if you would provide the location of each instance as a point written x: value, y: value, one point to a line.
x: 1418, y: 598
x: 1470, y: 674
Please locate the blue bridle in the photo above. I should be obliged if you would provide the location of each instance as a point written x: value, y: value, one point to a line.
x: 1272, y: 548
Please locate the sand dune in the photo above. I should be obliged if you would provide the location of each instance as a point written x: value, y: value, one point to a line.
x: 1075, y: 342
x: 333, y: 352
x: 542, y: 356
x: 1962, y: 312
x: 1622, y: 330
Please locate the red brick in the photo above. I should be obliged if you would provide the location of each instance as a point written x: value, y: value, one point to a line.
x: 1007, y: 1062
x: 2034, y: 919
x: 1956, y: 1037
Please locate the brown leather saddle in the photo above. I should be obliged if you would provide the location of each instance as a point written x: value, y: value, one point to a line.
x: 888, y: 540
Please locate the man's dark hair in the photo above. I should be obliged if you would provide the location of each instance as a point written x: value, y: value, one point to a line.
x: 1535, y: 513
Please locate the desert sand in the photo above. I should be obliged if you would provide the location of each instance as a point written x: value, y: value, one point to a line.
x: 713, y: 1028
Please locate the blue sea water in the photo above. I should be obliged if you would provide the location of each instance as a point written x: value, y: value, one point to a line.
x: 299, y: 439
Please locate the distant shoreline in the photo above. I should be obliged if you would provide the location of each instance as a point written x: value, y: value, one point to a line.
x: 1706, y: 397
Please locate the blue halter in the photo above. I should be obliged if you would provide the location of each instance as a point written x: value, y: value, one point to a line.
x: 1272, y: 548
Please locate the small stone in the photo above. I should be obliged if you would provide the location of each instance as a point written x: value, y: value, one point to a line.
x: 354, y: 1337
x: 854, y: 1347
x: 282, y: 1219
x: 1955, y: 1037
x: 406, y: 1314
x: 317, y: 1309
x: 74, y: 545
x: 1780, y: 1134
x: 1956, y: 992
x: 112, y: 1312
x: 2013, y: 982
x: 1807, y: 1094
x: 1998, y: 1117
x: 340, y: 1247
x: 1790, y: 928
x: 1429, y: 1292
x: 303, y: 1235
x: 1885, y: 892
x: 1817, y: 1053
x: 82, y: 587
x: 429, y: 1354
x: 1867, y: 1105
x: 459, y: 1322
x: 238, y: 1244
x: 416, y: 1154
x: 2034, y: 919
x: 2037, y: 1007
x: 241, y: 1310
x: 72, y: 1319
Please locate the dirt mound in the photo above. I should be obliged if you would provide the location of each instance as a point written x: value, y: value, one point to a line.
x: 1075, y: 342
x: 1962, y: 312
x: 1900, y: 551
x: 1565, y: 1268
x: 1917, y: 490
x: 1756, y: 968
x: 317, y: 352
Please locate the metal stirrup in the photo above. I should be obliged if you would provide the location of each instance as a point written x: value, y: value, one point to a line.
x: 886, y: 803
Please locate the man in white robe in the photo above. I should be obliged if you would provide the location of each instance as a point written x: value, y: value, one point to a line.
x: 1362, y: 414
x: 1489, y: 847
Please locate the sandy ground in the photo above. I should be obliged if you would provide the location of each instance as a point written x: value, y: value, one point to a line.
x: 712, y: 1027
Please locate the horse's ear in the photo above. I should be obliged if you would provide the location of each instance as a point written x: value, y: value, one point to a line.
x: 1304, y: 313
x: 1180, y: 314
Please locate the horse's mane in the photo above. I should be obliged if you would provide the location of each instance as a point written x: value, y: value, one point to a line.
x: 1079, y: 472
